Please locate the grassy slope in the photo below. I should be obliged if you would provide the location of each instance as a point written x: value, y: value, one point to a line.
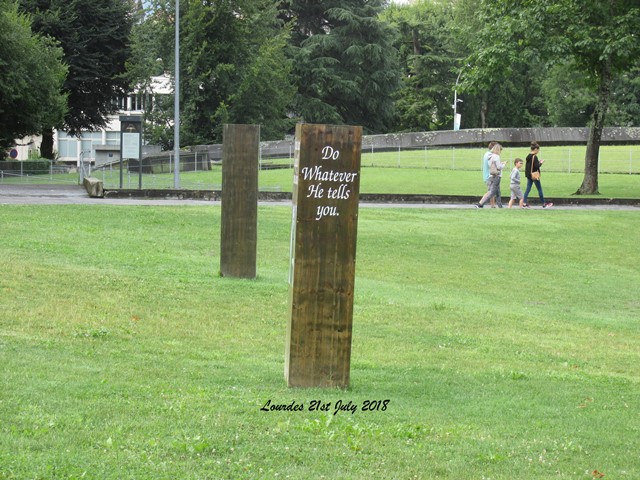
x: 506, y: 343
x: 440, y: 172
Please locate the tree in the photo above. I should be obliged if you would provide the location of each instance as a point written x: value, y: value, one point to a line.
x: 151, y: 54
x: 568, y: 95
x: 236, y: 50
x: 233, y: 67
x: 345, y: 64
x: 599, y: 37
x: 625, y: 107
x: 501, y: 83
x: 31, y: 78
x: 94, y: 35
x: 429, y: 60
x: 266, y: 91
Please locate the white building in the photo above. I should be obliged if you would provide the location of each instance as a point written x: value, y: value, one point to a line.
x: 102, y: 146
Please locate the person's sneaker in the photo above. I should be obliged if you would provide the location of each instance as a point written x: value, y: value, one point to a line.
x: 526, y: 205
x: 477, y: 205
x: 547, y: 205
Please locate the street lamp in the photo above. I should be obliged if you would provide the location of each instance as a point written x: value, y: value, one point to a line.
x: 456, y: 116
x: 176, y: 104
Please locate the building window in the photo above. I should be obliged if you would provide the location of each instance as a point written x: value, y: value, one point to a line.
x: 113, y: 138
x: 67, y: 146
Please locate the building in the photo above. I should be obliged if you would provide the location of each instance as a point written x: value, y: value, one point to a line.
x: 100, y: 147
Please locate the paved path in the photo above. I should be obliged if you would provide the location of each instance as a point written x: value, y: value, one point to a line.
x: 73, y: 195
x: 77, y: 195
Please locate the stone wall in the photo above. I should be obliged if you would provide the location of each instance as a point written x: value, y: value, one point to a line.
x: 463, y: 138
x: 507, y: 136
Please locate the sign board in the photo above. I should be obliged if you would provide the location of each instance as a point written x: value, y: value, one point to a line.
x: 326, y: 189
x: 131, y: 139
x: 131, y: 143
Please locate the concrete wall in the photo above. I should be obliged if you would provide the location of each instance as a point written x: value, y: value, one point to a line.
x: 463, y: 138
x: 507, y: 136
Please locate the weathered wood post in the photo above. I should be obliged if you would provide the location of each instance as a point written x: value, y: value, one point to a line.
x: 326, y: 189
x: 239, y: 217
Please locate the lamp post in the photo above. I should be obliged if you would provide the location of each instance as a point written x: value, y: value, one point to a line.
x: 176, y: 104
x: 456, y: 116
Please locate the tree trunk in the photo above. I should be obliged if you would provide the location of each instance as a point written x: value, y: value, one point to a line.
x: 483, y: 111
x: 590, y: 181
x: 417, y: 49
x: 46, y: 147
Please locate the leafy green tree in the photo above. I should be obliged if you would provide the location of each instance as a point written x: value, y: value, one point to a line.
x: 233, y: 67
x: 266, y: 91
x: 568, y: 96
x: 345, y: 65
x: 599, y: 37
x: 94, y: 35
x: 625, y: 106
x: 495, y: 76
x: 235, y: 50
x: 151, y: 54
x: 429, y: 59
x: 31, y: 78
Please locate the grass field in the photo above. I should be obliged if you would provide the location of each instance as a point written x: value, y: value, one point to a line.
x: 506, y: 344
x: 428, y: 171
x: 398, y: 181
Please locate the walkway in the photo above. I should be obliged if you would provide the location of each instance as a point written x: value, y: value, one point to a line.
x: 77, y: 195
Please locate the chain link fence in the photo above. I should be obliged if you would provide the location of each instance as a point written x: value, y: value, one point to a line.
x: 201, y: 170
x: 613, y: 159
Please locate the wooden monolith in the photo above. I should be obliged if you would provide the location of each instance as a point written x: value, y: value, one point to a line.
x: 323, y: 253
x: 239, y: 199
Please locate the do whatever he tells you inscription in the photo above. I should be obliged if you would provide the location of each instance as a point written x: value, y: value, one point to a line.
x: 323, y: 251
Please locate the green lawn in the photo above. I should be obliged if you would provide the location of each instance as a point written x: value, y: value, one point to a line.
x: 397, y: 180
x: 505, y: 341
x: 442, y: 171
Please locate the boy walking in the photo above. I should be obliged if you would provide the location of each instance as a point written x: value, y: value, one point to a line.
x: 514, y: 184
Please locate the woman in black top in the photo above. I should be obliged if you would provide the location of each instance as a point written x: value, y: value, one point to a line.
x: 533, y: 166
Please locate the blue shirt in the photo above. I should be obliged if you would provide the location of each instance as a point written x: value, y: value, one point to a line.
x: 485, y: 166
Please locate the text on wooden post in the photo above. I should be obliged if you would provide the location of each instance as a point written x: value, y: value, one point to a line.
x: 323, y: 247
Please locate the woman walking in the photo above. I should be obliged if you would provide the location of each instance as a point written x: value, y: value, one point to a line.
x: 495, y: 169
x: 532, y: 172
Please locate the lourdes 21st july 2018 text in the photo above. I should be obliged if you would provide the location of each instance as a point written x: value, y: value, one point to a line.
x: 322, y: 406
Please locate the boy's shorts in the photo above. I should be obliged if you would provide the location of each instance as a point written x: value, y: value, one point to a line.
x: 516, y: 192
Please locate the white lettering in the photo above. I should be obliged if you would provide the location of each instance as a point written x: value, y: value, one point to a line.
x: 324, y: 211
x: 328, y: 153
x: 340, y: 193
x: 315, y: 191
x: 317, y: 174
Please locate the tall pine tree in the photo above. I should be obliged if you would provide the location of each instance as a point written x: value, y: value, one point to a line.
x: 345, y: 64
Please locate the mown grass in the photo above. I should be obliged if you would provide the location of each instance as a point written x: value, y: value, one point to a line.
x: 505, y: 342
x: 428, y: 171
x: 401, y: 181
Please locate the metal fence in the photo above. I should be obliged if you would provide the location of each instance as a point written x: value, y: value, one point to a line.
x: 197, y: 172
x: 613, y: 159
x: 19, y: 173
x: 202, y: 172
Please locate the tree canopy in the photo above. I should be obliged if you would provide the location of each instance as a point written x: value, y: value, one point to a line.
x: 94, y: 35
x: 345, y: 63
x: 593, y: 40
x: 31, y: 78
